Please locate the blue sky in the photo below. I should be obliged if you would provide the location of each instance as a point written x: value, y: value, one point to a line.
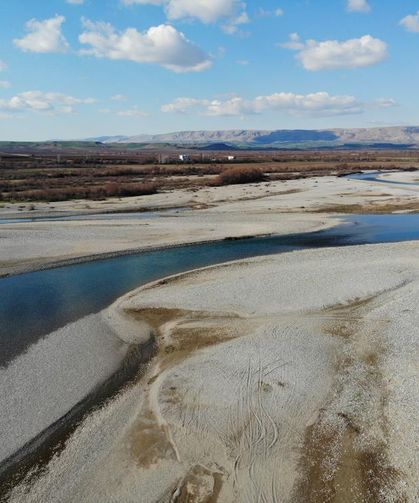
x: 74, y: 68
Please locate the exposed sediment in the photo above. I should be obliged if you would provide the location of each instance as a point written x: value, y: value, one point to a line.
x: 275, y: 207
x: 289, y: 378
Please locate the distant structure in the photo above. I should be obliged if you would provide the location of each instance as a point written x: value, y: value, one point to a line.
x: 184, y: 157
x: 231, y: 157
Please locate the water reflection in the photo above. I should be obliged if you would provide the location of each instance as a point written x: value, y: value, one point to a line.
x: 34, y: 304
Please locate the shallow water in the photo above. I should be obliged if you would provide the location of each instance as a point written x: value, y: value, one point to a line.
x: 35, y: 304
x: 374, y: 176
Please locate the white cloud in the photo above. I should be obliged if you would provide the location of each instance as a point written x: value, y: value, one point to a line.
x: 162, y: 45
x: 411, y: 23
x: 386, y: 103
x: 75, y: 2
x: 232, y: 26
x: 319, y: 104
x: 294, y: 42
x: 144, y: 2
x: 358, y: 6
x: 207, y: 11
x: 4, y: 84
x: 184, y: 105
x: 37, y: 101
x: 44, y: 36
x: 269, y: 13
x: 132, y: 112
x: 3, y: 66
x: 333, y: 54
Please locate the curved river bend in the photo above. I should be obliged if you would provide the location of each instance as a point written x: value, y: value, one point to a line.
x: 35, y: 304
x: 375, y: 176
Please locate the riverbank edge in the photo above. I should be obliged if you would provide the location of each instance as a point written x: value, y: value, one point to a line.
x: 48, y: 442
x: 34, y: 456
x: 77, y: 414
x: 333, y: 220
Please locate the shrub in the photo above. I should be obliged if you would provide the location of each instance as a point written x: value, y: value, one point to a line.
x: 240, y: 174
x: 112, y: 189
x: 130, y: 189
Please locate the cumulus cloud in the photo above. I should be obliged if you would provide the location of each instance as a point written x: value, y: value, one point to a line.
x: 3, y: 66
x: 43, y: 36
x: 315, y: 104
x: 4, y: 84
x: 75, y: 2
x: 161, y: 45
x: 411, y: 22
x: 144, y: 2
x: 333, y: 54
x: 206, y: 11
x: 358, y: 6
x: 38, y: 101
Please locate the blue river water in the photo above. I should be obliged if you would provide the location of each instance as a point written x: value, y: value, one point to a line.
x: 374, y: 176
x: 34, y: 304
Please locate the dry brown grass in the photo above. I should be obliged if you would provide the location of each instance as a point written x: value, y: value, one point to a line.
x: 370, y: 208
x: 112, y: 189
x: 240, y: 174
x: 99, y: 175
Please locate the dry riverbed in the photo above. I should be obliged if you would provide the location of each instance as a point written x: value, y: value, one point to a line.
x: 290, y: 378
x: 209, y: 214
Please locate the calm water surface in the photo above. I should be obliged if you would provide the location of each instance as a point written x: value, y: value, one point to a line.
x: 374, y: 176
x: 34, y: 304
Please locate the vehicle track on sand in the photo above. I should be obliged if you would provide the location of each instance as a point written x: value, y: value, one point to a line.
x: 343, y: 451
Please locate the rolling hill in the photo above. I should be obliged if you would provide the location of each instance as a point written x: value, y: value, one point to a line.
x: 384, y: 137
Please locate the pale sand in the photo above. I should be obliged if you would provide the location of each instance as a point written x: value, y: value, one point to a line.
x: 238, y: 211
x: 61, y: 369
x: 405, y: 177
x: 290, y: 378
x: 41, y: 385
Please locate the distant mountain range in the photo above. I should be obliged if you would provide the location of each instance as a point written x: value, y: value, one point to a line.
x: 384, y: 137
